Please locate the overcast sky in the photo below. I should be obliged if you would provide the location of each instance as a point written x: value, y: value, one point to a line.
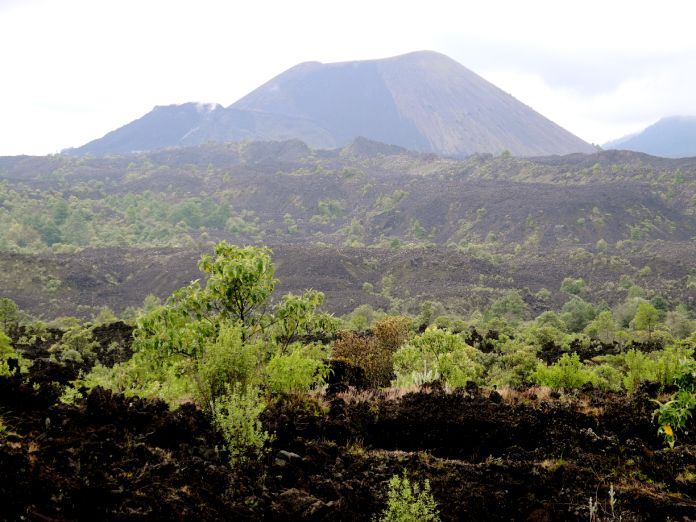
x: 72, y: 70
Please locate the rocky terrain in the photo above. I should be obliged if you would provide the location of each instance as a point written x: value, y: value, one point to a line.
x: 524, y: 454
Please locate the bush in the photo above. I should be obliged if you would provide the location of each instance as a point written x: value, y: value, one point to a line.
x: 361, y: 318
x: 392, y: 331
x: 608, y: 378
x: 577, y: 314
x: 368, y: 353
x: 227, y: 359
x: 514, y: 365
x: 76, y: 347
x: 510, y: 307
x: 7, y: 352
x: 573, y: 286
x: 673, y: 415
x: 639, y: 367
x: 670, y: 363
x: 436, y: 354
x: 236, y: 414
x: 541, y: 335
x: 567, y: 372
x: 408, y: 502
x: 299, y: 371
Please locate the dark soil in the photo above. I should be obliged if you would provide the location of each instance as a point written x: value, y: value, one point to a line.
x: 488, y: 457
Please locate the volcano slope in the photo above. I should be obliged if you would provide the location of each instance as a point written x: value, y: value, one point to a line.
x: 527, y: 454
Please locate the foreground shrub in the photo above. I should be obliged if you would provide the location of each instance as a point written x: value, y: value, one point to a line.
x: 408, y: 502
x: 298, y: 371
x: 608, y: 378
x: 673, y: 415
x: 227, y: 359
x: 236, y: 414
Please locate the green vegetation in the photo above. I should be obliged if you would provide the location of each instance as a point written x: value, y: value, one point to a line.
x: 673, y: 414
x: 11, y: 361
x: 64, y: 204
x: 407, y: 501
x: 227, y: 345
x: 9, y: 313
x: 434, y: 355
x: 221, y: 344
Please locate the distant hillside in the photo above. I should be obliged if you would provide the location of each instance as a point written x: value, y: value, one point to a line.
x: 422, y: 101
x: 77, y: 233
x: 366, y: 193
x: 673, y: 137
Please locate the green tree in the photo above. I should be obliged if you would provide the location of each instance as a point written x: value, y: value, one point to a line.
x: 577, y: 313
x: 646, y: 318
x: 679, y: 322
x: 222, y: 332
x: 602, y: 327
x: 9, y: 313
x: 510, y: 307
x: 240, y: 281
x: 573, y: 286
x: 296, y: 315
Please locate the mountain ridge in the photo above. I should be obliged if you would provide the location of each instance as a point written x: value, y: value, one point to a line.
x: 669, y: 137
x: 423, y: 101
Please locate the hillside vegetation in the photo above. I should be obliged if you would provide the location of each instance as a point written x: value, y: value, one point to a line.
x: 363, y: 224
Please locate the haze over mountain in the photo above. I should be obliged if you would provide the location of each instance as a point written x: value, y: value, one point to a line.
x: 423, y: 101
x: 672, y: 137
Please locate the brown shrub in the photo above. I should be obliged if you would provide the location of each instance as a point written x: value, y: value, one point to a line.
x: 367, y: 352
x: 373, y: 353
x: 392, y: 331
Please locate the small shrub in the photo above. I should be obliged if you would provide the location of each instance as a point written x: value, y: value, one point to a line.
x: 236, y: 414
x: 76, y: 347
x: 608, y: 378
x: 567, y: 372
x: 544, y: 294
x: 392, y: 331
x: 573, y: 286
x: 368, y: 353
x: 296, y: 372
x: 673, y: 414
x: 408, y: 502
x: 639, y: 368
x: 7, y: 353
x: 227, y: 359
x: 514, y: 366
x: 70, y: 395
